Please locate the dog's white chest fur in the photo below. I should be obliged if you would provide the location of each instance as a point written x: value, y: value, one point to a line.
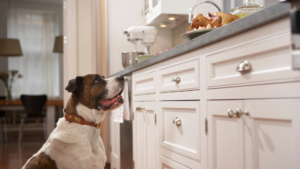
x: 77, y: 146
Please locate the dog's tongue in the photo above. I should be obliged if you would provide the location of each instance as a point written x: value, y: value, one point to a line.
x: 108, y: 102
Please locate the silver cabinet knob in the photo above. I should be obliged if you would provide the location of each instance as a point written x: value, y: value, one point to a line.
x: 176, y: 79
x: 244, y: 67
x: 231, y: 113
x: 177, y: 121
x: 238, y: 113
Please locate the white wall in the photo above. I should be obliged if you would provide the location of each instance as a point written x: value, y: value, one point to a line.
x: 120, y: 16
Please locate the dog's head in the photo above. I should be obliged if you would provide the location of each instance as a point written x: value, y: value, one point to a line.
x: 95, y: 92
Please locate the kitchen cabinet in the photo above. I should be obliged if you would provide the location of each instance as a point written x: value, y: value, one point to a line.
x: 268, y: 137
x: 184, y: 76
x: 209, y: 85
x: 144, y: 84
x: 166, y: 163
x: 157, y: 11
x: 146, y: 129
x: 179, y: 127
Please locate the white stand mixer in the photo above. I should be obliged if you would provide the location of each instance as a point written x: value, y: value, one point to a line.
x: 146, y: 34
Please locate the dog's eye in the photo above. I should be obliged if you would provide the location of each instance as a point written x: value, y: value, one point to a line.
x: 96, y: 81
x: 103, y: 77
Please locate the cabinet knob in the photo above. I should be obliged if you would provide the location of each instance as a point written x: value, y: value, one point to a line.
x: 244, y: 67
x: 231, y: 113
x: 147, y: 11
x: 138, y: 108
x: 238, y: 113
x: 176, y: 79
x: 177, y: 121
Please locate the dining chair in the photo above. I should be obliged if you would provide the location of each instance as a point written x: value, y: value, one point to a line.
x: 3, y: 118
x: 33, y: 107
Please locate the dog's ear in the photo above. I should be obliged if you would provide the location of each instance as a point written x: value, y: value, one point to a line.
x: 71, y: 86
x: 74, y: 84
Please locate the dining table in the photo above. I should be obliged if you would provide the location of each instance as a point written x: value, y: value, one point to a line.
x: 16, y: 105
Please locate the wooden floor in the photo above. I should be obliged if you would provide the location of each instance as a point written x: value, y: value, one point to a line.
x: 14, y: 155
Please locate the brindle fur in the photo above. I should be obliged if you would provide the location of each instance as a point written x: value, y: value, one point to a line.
x: 41, y: 161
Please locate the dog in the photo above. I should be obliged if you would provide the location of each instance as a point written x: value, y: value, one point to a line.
x: 75, y: 143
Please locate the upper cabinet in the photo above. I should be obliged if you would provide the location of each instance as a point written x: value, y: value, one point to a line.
x: 157, y: 12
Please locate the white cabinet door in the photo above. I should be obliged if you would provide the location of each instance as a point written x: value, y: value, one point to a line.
x: 140, y: 120
x: 115, y: 144
x: 151, y: 134
x: 166, y: 163
x: 266, y: 138
x: 146, y: 135
x: 180, y: 128
x: 275, y: 134
x: 144, y: 84
x: 224, y: 136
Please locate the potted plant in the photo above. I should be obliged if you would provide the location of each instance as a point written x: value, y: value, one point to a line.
x: 8, y: 79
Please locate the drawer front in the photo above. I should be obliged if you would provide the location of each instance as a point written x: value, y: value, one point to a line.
x: 270, y: 61
x: 187, y: 74
x: 166, y: 163
x: 182, y: 138
x: 144, y: 84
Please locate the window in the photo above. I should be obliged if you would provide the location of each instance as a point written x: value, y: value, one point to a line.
x: 39, y: 66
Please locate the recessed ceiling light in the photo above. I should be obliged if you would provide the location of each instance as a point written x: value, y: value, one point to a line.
x: 171, y: 18
x: 163, y: 25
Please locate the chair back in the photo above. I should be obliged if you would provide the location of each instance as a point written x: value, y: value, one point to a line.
x: 33, y: 104
x: 2, y: 113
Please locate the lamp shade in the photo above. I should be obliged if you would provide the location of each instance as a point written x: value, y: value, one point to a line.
x: 10, y: 47
x: 58, y: 45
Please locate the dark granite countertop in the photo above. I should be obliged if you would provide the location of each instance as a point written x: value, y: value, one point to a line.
x: 262, y: 17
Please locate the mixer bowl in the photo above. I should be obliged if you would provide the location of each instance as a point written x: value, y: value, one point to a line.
x: 130, y: 58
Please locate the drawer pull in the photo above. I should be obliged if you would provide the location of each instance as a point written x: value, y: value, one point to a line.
x: 244, y: 67
x: 176, y: 79
x: 238, y: 113
x: 177, y: 121
x: 138, y: 108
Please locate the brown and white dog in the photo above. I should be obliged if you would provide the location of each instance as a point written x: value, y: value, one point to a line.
x: 76, y: 144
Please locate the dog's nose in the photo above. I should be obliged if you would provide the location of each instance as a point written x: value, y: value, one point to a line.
x: 120, y: 78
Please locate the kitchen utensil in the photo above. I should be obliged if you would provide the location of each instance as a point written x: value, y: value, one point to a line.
x: 146, y: 34
x: 194, y: 34
x: 130, y: 58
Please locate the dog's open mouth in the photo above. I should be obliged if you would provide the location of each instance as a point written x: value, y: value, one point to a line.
x: 106, y: 103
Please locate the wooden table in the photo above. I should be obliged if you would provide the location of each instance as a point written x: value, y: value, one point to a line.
x: 16, y: 105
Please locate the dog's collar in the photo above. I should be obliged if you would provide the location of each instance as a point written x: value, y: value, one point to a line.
x: 80, y: 120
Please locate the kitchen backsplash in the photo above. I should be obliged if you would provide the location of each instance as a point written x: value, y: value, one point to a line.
x: 177, y: 31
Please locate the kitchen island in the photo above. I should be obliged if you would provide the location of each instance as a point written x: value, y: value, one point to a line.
x: 227, y: 99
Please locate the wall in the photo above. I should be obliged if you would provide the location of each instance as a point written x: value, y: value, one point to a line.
x: 3, y: 33
x: 122, y: 15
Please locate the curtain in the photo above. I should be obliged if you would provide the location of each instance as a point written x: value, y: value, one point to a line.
x: 39, y: 66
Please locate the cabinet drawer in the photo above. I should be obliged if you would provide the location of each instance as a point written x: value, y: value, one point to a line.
x: 183, y: 138
x: 187, y: 73
x: 270, y: 62
x: 166, y: 163
x: 144, y: 84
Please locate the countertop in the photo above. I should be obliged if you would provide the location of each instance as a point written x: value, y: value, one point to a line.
x: 262, y: 17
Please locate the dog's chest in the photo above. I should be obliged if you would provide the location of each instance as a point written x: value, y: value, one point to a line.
x: 77, y: 147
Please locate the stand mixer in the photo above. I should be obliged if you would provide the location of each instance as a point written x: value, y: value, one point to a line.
x: 146, y: 34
